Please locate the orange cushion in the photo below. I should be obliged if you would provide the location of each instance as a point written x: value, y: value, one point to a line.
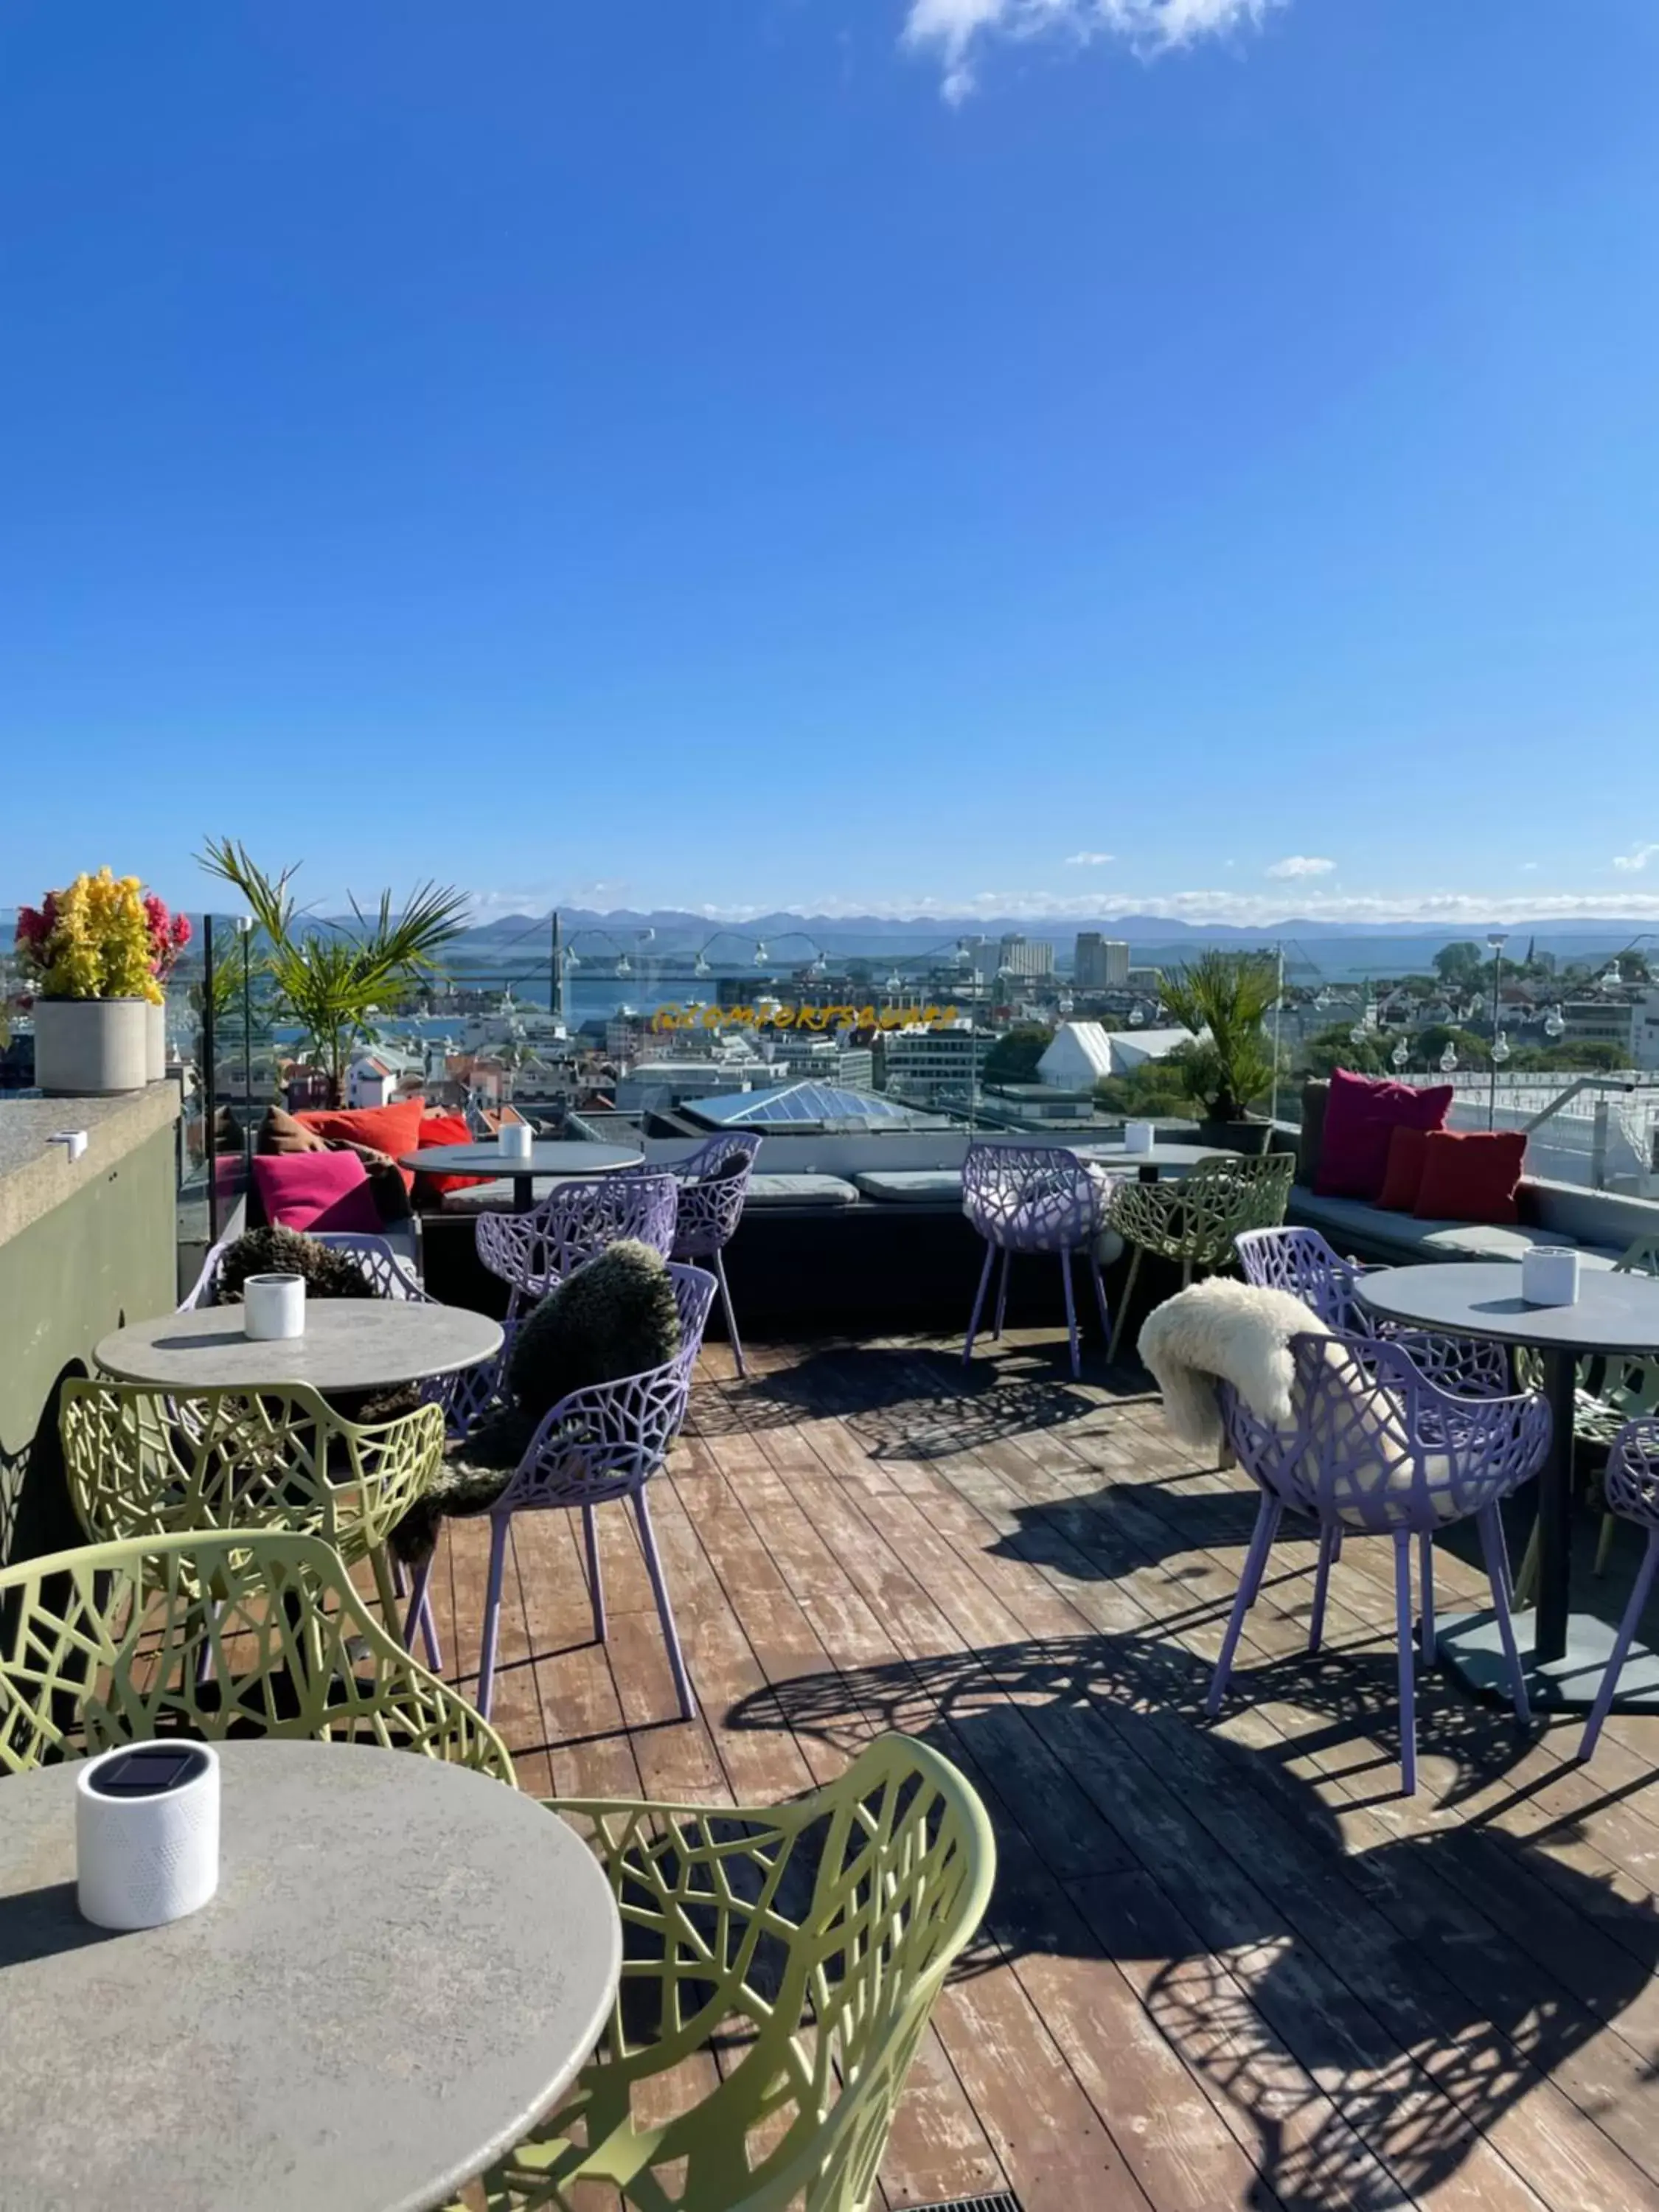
x: 444, y: 1129
x: 392, y: 1130
x: 1408, y: 1150
x: 1471, y: 1176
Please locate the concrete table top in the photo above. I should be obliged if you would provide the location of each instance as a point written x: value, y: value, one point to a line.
x: 1482, y: 1297
x: 405, y: 1964
x: 349, y: 1344
x: 1152, y: 1164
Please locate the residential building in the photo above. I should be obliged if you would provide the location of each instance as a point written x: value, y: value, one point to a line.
x: 923, y: 1063
x: 1100, y: 964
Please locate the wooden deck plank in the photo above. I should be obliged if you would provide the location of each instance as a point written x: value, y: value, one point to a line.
x: 1226, y: 1965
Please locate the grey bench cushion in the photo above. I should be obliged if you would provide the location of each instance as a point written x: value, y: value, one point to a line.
x: 765, y: 1190
x: 494, y: 1197
x: 1350, y: 1223
x: 912, y: 1185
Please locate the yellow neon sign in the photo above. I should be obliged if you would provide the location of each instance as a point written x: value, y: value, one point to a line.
x: 816, y: 1019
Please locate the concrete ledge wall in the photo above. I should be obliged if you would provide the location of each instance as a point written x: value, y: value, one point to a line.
x: 85, y: 1247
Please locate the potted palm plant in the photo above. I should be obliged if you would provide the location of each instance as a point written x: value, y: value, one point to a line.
x: 84, y: 957
x: 333, y: 981
x: 1222, y: 998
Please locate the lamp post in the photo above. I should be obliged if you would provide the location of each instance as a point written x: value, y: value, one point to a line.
x: 1496, y: 942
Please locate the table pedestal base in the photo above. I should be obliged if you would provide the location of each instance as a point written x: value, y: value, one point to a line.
x: 1469, y: 1649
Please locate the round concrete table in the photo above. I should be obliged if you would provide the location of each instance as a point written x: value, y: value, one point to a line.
x: 404, y: 1965
x: 349, y: 1344
x: 545, y: 1160
x: 1614, y: 1313
x: 1161, y: 1159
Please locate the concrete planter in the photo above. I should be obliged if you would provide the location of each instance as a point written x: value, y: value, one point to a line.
x: 90, y: 1047
x: 155, y: 1044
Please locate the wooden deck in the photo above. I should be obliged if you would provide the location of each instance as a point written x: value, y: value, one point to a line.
x: 1226, y: 1966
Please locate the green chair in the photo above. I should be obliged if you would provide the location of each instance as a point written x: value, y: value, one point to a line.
x: 142, y: 1463
x: 1195, y: 1220
x: 1608, y: 1392
x: 807, y: 1944
x: 113, y: 1645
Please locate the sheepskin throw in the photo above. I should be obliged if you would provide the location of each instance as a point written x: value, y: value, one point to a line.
x: 1231, y: 1331
x: 329, y: 1272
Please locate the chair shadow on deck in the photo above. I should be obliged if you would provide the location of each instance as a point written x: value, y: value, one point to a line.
x: 909, y: 1403
x: 1370, y: 2005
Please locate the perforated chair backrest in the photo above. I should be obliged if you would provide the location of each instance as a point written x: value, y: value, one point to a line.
x: 577, y: 1220
x: 1300, y: 1260
x: 1031, y: 1198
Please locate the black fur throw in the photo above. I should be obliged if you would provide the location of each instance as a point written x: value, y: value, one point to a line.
x: 613, y: 1316
x: 329, y: 1272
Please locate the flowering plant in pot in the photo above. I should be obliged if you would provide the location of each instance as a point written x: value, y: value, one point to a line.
x: 169, y: 933
x: 84, y: 955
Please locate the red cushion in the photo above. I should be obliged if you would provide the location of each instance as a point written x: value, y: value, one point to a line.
x: 1407, y: 1149
x: 1470, y: 1175
x: 393, y: 1130
x: 1361, y: 1117
x: 443, y: 1129
x: 316, y: 1190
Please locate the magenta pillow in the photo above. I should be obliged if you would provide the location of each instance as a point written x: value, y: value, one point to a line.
x: 1361, y: 1117
x: 316, y: 1190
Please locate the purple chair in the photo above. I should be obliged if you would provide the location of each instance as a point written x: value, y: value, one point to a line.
x: 531, y: 1252
x: 1299, y: 1261
x: 597, y: 1444
x: 1631, y: 1483
x: 1030, y: 1197
x: 1375, y: 1448
x: 712, y: 1192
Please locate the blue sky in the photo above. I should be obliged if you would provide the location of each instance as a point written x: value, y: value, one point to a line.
x: 836, y: 453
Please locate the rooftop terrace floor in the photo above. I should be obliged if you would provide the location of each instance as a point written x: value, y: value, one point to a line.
x: 1226, y: 1965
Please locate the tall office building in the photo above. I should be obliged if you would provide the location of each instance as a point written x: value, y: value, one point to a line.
x: 1101, y: 962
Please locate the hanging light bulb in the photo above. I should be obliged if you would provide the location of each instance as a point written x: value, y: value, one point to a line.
x: 1401, y: 1053
x: 895, y: 981
x: 760, y: 954
x: 1136, y: 1018
x: 572, y: 959
x: 1554, y: 1022
x: 624, y: 965
x: 1064, y: 1005
x: 1449, y: 1059
x: 1500, y: 1048
x: 700, y: 966
x: 815, y: 966
x: 1357, y: 1034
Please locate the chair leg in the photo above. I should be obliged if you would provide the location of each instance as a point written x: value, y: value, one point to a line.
x: 1071, y: 1314
x: 390, y: 1582
x: 979, y: 1302
x: 595, y: 1572
x: 1330, y: 1538
x: 1123, y: 1310
x: 1621, y: 1643
x: 1490, y: 1529
x: 1186, y: 1272
x: 1002, y: 1289
x: 419, y: 1603
x: 1267, y: 1515
x: 1099, y: 1281
x: 1402, y: 1615
x: 731, y: 1318
x: 664, y: 1608
x: 499, y: 1525
x: 1425, y: 1558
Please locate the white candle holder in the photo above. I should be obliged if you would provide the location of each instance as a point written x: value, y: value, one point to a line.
x: 273, y: 1307
x: 1139, y: 1136
x: 1549, y: 1275
x: 515, y: 1138
x: 147, y: 1833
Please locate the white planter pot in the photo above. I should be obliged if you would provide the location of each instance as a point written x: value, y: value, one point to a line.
x: 155, y: 1044
x: 90, y: 1047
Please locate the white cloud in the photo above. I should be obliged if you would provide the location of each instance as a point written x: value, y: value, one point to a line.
x: 1300, y: 864
x: 955, y: 29
x: 1636, y: 859
x: 1089, y: 859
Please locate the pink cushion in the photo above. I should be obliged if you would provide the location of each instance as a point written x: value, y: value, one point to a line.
x: 1360, y: 1119
x: 315, y: 1190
